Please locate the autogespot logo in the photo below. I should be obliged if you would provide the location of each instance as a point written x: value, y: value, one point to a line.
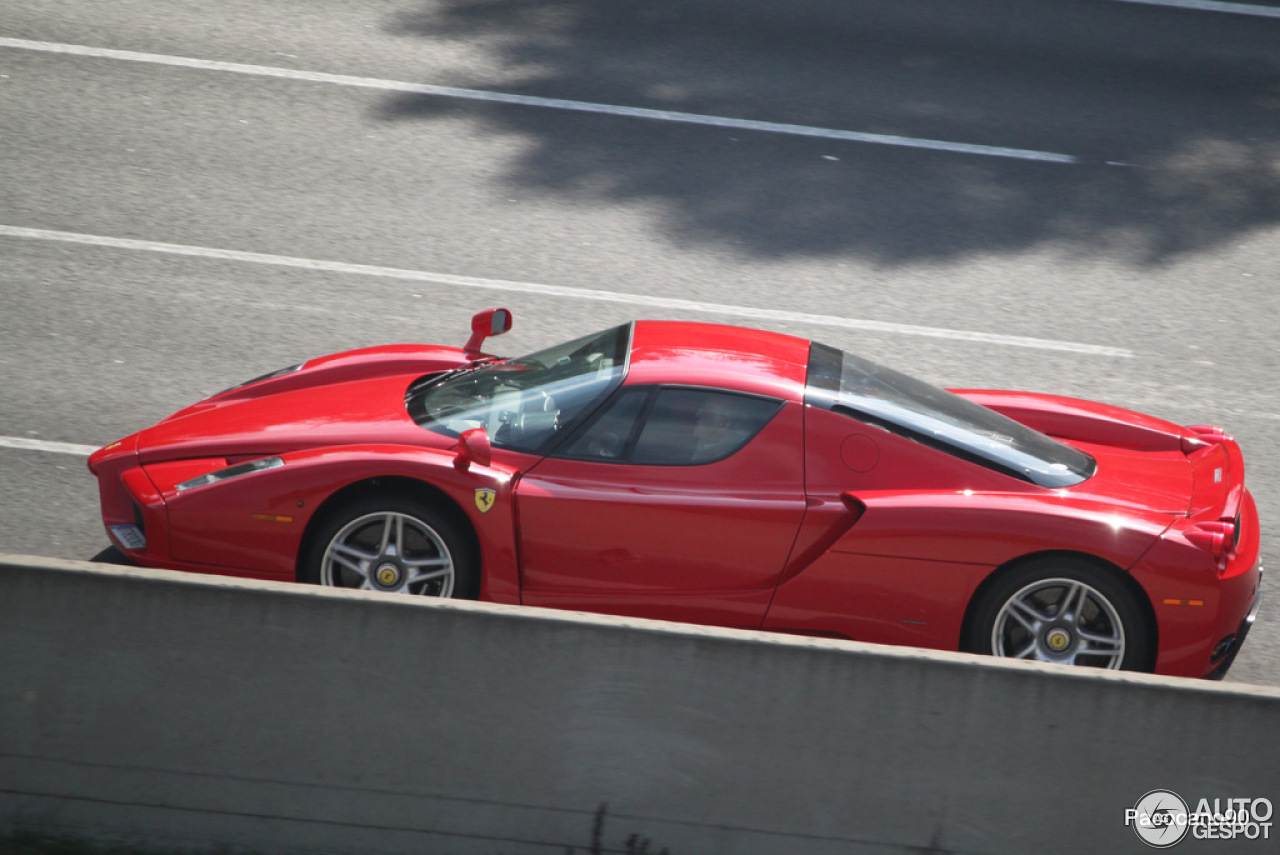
x: 1161, y: 818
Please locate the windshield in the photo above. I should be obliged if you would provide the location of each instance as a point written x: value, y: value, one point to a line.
x: 525, y: 403
x: 859, y: 388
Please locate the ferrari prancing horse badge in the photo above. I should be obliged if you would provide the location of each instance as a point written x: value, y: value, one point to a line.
x: 485, y: 499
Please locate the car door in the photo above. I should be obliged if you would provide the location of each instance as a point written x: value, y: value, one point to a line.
x: 673, y: 502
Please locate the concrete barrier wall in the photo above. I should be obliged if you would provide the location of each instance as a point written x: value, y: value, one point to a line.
x: 194, y: 712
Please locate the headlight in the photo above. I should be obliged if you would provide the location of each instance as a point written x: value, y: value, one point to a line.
x: 268, y: 376
x: 231, y: 472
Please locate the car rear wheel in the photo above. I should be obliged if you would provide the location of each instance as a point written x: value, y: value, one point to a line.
x: 1062, y: 610
x: 393, y: 544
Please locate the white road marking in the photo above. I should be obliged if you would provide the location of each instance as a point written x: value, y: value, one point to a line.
x: 534, y: 101
x: 24, y: 444
x: 646, y: 300
x: 1213, y: 6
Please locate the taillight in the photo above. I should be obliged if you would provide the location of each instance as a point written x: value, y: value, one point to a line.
x: 1218, y: 538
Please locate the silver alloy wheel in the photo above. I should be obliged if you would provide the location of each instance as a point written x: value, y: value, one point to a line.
x: 1060, y: 620
x: 389, y: 551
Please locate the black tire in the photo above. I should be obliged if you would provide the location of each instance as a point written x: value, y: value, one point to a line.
x: 1021, y: 616
x: 394, y: 543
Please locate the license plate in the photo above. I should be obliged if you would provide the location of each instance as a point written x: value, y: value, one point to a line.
x: 129, y: 536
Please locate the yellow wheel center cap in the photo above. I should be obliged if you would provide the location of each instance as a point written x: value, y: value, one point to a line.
x: 1058, y: 639
x: 388, y: 574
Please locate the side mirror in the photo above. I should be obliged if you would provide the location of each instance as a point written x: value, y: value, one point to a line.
x: 484, y: 324
x: 473, y: 447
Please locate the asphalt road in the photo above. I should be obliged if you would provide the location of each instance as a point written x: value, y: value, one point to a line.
x: 1080, y: 197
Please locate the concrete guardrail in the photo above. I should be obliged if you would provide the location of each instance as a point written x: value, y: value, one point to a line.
x: 172, y: 710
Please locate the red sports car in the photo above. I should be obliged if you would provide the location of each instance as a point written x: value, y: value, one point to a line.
x: 715, y: 475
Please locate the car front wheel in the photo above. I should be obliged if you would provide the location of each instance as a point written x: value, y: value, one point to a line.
x: 393, y: 544
x: 1063, y: 610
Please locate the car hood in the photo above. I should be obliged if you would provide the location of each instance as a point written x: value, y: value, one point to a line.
x: 346, y: 399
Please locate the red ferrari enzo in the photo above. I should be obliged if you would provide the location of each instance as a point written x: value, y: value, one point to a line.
x: 714, y: 475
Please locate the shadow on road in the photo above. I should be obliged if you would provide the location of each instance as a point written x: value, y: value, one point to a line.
x: 1189, y: 101
x: 111, y: 555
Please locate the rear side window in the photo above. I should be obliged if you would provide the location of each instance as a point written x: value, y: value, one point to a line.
x: 672, y: 426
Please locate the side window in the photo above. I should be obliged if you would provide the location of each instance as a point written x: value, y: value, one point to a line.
x: 671, y: 426
x: 607, y: 437
x: 693, y: 426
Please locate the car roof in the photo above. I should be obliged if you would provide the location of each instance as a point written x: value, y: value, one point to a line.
x: 695, y: 354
